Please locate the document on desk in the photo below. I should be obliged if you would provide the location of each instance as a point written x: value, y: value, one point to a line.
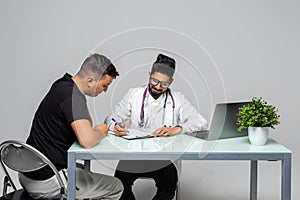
x: 136, y: 134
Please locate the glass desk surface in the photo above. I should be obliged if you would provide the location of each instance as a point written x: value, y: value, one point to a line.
x: 185, y: 147
x: 179, y: 143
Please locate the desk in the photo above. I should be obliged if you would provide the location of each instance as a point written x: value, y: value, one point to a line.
x: 185, y: 147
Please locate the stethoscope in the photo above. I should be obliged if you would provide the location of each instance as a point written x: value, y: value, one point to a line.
x: 142, y: 113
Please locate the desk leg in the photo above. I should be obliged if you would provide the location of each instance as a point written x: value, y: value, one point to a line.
x: 71, y: 176
x: 286, y: 177
x: 253, y: 180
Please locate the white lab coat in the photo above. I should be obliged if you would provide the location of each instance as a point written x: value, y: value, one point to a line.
x: 129, y: 108
x: 155, y: 116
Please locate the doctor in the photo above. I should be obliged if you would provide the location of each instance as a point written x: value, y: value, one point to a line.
x: 154, y: 108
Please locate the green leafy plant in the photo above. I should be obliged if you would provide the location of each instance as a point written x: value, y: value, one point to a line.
x: 257, y: 114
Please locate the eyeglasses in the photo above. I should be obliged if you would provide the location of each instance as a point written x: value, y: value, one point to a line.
x: 163, y: 84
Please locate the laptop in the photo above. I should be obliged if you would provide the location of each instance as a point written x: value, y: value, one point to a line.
x: 223, y: 123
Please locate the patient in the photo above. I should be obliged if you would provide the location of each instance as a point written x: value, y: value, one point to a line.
x: 63, y: 118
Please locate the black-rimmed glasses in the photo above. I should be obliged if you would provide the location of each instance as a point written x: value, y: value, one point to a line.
x: 163, y: 84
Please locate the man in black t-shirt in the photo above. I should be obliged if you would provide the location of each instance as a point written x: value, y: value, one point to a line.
x: 63, y: 118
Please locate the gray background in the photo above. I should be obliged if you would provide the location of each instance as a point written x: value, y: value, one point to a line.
x: 226, y: 51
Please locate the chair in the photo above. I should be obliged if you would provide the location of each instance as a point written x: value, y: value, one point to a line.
x: 21, y: 157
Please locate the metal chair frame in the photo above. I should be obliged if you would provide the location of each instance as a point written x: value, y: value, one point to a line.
x: 14, y: 152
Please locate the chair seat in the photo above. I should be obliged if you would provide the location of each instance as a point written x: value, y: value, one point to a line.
x: 20, y: 194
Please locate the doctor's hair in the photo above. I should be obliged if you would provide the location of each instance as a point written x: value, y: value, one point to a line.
x: 97, y: 65
x: 164, y: 65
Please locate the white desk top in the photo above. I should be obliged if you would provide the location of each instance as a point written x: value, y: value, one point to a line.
x: 179, y: 144
x: 182, y: 147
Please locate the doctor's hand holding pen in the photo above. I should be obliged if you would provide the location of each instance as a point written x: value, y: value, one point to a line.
x: 120, y: 128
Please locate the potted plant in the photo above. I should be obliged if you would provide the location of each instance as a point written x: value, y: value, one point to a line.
x: 257, y: 117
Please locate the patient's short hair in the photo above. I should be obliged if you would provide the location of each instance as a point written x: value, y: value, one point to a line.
x: 97, y: 65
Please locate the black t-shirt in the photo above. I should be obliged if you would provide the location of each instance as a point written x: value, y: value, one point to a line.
x: 51, y: 131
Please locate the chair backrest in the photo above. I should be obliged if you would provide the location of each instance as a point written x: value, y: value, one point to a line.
x: 22, y: 157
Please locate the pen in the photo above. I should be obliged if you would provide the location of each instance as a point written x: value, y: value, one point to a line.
x: 120, y: 124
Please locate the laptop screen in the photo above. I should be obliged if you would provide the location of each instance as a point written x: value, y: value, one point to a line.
x: 223, y: 124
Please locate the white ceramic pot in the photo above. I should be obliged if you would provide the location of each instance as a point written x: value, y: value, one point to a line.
x: 258, y: 135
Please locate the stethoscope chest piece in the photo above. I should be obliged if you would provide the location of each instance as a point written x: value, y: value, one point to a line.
x: 142, y: 123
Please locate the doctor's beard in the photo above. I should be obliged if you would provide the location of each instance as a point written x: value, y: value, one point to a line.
x: 155, y: 93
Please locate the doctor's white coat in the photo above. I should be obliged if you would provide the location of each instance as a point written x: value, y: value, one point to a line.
x: 155, y: 115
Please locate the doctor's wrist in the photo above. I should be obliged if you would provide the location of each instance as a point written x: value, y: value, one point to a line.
x: 179, y: 128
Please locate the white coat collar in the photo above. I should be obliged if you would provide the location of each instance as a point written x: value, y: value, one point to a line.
x: 157, y: 101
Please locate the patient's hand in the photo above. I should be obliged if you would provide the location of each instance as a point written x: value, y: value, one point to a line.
x: 102, y: 128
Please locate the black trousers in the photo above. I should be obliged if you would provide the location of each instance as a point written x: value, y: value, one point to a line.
x: 165, y: 179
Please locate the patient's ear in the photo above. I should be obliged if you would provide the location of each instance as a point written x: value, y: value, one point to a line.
x: 90, y: 81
